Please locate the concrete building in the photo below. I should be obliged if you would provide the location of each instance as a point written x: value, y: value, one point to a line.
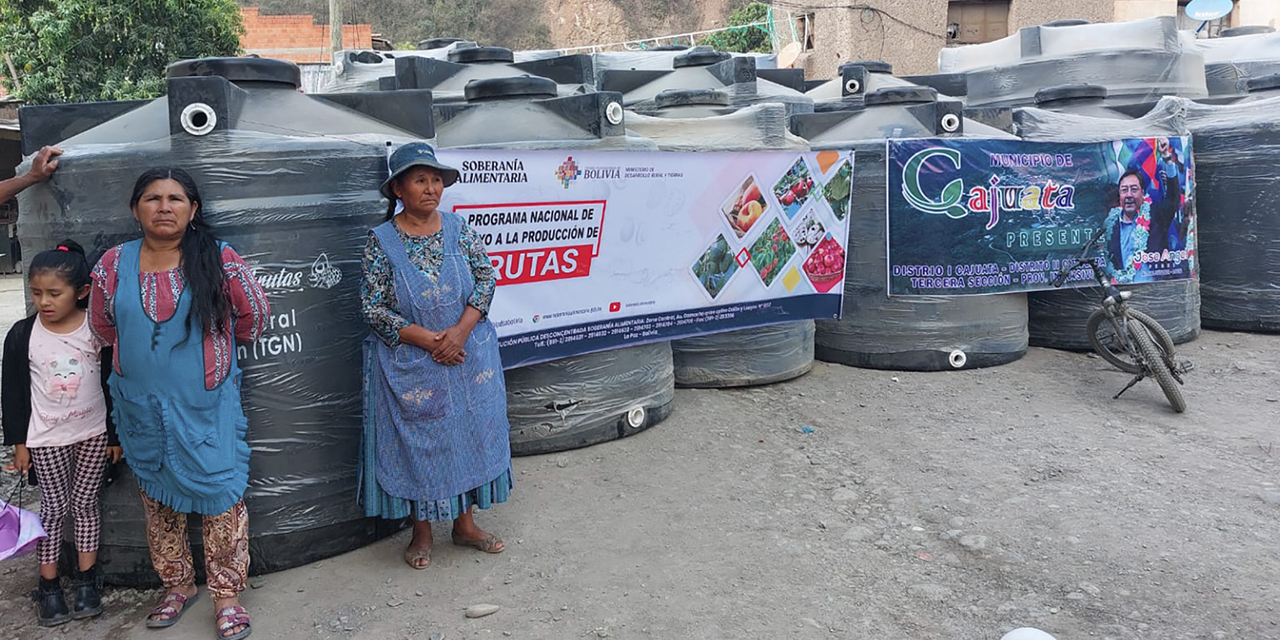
x: 909, y: 33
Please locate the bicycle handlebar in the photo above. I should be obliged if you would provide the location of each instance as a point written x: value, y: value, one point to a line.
x: 1077, y: 260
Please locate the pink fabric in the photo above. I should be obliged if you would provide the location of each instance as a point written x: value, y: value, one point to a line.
x: 67, y: 405
x: 160, y: 293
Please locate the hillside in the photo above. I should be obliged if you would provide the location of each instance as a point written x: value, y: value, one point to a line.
x: 519, y: 24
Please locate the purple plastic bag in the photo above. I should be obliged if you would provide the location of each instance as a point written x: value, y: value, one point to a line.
x: 20, y: 530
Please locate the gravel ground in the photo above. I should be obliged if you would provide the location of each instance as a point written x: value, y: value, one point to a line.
x: 946, y: 505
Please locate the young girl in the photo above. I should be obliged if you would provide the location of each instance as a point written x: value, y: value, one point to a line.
x: 56, y: 418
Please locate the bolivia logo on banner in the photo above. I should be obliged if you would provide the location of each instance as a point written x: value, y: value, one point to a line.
x: 597, y: 250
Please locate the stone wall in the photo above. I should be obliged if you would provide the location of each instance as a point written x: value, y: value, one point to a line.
x: 1028, y: 13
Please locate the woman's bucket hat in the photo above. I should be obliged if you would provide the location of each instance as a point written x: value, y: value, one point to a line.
x: 416, y: 154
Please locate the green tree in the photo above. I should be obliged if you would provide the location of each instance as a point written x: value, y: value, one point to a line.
x: 754, y: 39
x: 95, y: 50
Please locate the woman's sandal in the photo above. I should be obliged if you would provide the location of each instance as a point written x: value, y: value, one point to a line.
x: 413, y: 557
x: 488, y: 544
x: 236, y: 616
x: 166, y: 608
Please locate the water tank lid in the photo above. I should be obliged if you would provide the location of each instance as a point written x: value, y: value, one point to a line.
x: 826, y: 106
x: 365, y: 57
x: 1066, y: 22
x: 522, y: 87
x: 872, y: 66
x: 901, y: 95
x: 247, y: 69
x: 1247, y: 30
x: 437, y: 43
x: 690, y: 97
x: 481, y: 54
x: 1263, y: 83
x: 1071, y: 92
x: 700, y: 57
x: 671, y: 47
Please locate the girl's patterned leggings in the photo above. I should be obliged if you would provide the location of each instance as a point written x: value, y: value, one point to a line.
x: 70, y: 480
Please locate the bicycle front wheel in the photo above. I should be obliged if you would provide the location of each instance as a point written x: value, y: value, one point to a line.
x: 1156, y: 366
x: 1103, y: 339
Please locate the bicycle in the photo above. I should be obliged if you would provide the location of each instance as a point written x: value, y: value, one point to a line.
x: 1128, y: 339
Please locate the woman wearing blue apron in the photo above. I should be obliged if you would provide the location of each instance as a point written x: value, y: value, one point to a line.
x: 173, y: 304
x: 436, y: 431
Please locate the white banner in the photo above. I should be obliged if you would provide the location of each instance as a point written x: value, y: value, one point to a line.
x: 597, y: 250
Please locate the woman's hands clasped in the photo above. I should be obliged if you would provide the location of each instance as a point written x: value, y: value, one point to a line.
x: 447, y: 346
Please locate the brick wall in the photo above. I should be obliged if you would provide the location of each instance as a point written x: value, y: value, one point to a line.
x: 297, y: 38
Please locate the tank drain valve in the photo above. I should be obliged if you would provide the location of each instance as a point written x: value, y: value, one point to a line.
x: 957, y: 358
x: 635, y: 417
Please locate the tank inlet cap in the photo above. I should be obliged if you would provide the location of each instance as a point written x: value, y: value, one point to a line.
x: 1263, y: 83
x: 636, y: 417
x: 1060, y: 92
x: 957, y: 359
x: 950, y: 123
x: 872, y: 66
x: 198, y: 119
x: 614, y: 112
x: 1247, y: 30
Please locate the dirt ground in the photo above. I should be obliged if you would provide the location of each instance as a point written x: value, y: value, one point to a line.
x: 945, y: 505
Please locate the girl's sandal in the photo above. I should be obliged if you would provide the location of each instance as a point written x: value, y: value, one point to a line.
x: 415, y: 558
x: 236, y: 616
x: 488, y: 544
x: 166, y: 608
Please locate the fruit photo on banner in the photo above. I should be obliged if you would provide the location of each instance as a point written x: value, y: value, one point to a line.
x: 837, y: 190
x: 745, y: 207
x: 794, y: 188
x: 715, y: 267
x: 809, y: 232
x: 771, y: 251
x: 825, y: 266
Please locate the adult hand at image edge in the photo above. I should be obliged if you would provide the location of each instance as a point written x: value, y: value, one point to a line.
x: 44, y: 164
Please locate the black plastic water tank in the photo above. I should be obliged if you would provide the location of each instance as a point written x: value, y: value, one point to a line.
x: 1232, y: 62
x: 1066, y: 22
x: 1239, y: 227
x: 703, y: 68
x: 1137, y: 61
x: 437, y: 43
x: 925, y: 333
x: 1247, y: 30
x: 291, y: 182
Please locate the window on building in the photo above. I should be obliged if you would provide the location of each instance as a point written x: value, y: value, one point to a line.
x: 975, y: 21
x: 804, y: 27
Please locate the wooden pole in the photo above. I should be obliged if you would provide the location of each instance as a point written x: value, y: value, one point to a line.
x: 335, y: 27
